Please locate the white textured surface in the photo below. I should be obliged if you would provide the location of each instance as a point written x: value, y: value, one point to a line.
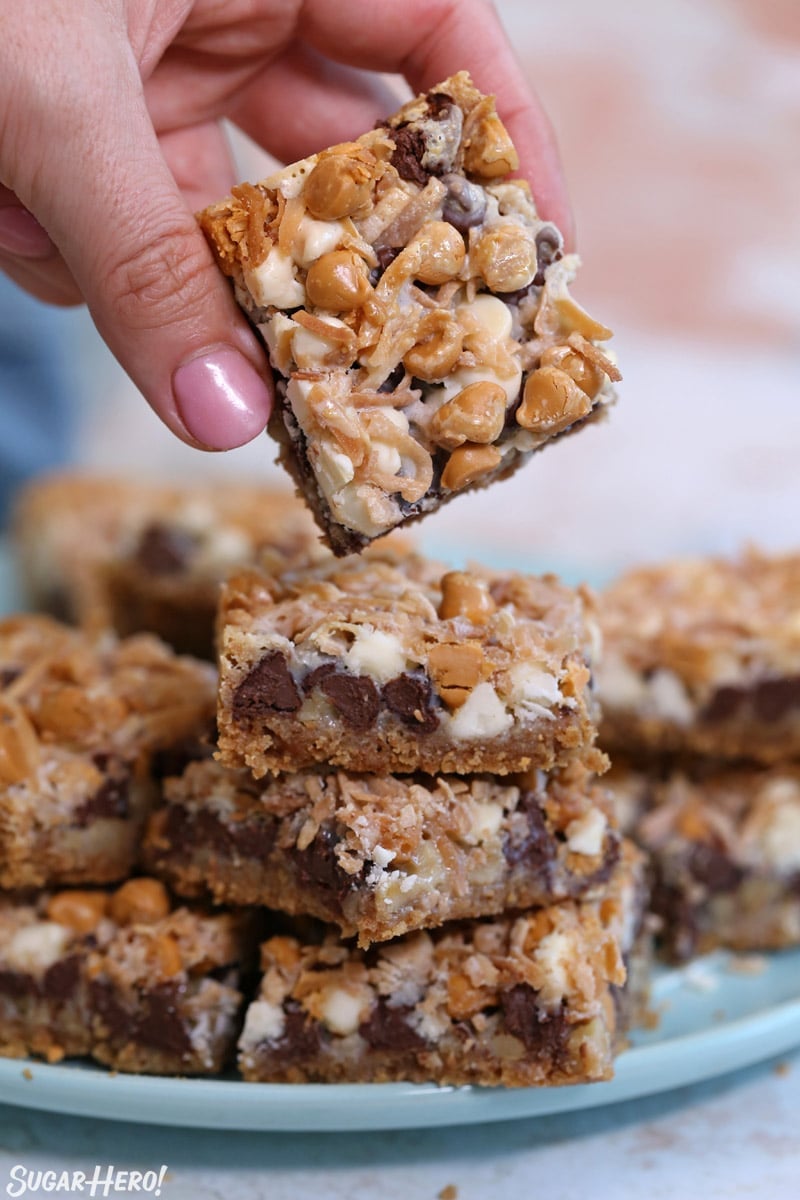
x: 735, y: 1137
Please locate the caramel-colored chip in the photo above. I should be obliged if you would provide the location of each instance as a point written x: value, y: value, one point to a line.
x: 140, y: 901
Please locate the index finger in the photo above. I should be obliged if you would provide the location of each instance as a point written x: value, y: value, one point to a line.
x: 428, y: 40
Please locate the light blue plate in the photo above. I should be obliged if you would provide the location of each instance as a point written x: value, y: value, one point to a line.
x: 716, y: 1015
x: 713, y: 1019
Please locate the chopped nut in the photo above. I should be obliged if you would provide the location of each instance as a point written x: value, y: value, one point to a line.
x: 465, y: 596
x: 551, y: 401
x: 19, y: 746
x: 588, y: 377
x: 464, y: 1000
x: 338, y: 282
x: 340, y: 185
x: 71, y: 712
x: 284, y: 951
x: 476, y: 414
x: 140, y: 902
x: 505, y: 257
x: 168, y: 955
x: 437, y: 350
x: 79, y: 910
x: 467, y: 463
x: 488, y: 149
x: 456, y: 669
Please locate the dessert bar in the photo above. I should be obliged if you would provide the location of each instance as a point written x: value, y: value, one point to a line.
x: 417, y: 314
x: 525, y: 999
x: 86, y: 728
x: 381, y: 855
x: 392, y: 664
x: 724, y: 845
x: 134, y: 556
x: 703, y: 657
x: 124, y: 977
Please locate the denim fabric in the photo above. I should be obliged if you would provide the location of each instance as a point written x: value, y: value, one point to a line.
x: 38, y: 388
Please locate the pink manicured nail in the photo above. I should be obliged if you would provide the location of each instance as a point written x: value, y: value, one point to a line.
x: 221, y: 399
x: 21, y: 234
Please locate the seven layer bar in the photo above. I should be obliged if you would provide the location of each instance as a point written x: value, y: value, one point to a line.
x: 416, y: 311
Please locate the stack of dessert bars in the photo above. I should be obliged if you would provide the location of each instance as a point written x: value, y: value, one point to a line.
x: 398, y: 799
x: 700, y: 688
x: 406, y: 769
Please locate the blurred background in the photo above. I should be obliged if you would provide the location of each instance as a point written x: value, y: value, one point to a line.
x: 679, y: 125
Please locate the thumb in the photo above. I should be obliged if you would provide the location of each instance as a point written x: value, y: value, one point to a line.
x: 112, y: 206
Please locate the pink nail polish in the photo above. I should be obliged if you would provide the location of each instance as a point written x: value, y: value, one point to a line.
x: 22, y: 235
x: 221, y: 399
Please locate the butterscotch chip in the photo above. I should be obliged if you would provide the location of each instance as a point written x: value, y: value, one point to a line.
x: 140, y: 902
x: 438, y: 276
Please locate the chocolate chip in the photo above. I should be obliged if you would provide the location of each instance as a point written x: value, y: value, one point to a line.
x: 540, y: 1032
x: 107, y: 1005
x: 386, y: 256
x: 465, y: 203
x: 111, y: 800
x: 725, y: 702
x: 409, y: 149
x: 712, y: 867
x: 355, y: 696
x: 388, y: 1029
x: 680, y: 935
x: 160, y: 1024
x: 17, y: 984
x: 300, y: 1039
x: 315, y: 677
x: 774, y: 698
x: 439, y: 105
x: 267, y: 689
x: 549, y: 248
x: 530, y: 843
x: 319, y: 869
x: 163, y: 549
x: 61, y: 979
x: 8, y: 675
x: 411, y: 698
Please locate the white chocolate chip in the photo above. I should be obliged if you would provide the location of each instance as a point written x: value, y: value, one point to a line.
x: 585, y: 834
x: 311, y: 349
x: 483, y: 714
x: 534, y: 691
x: 555, y: 953
x: 668, y: 698
x: 264, y: 1022
x: 333, y: 469
x: 373, y: 652
x: 273, y: 282
x: 341, y: 1011
x: 315, y: 238
x: 382, y: 856
x: 36, y: 947
x: 486, y: 820
x: 492, y: 314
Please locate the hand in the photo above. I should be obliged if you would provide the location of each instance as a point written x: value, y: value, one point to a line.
x: 110, y: 140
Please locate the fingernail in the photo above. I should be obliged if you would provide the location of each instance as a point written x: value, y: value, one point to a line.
x: 221, y: 399
x: 21, y: 233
